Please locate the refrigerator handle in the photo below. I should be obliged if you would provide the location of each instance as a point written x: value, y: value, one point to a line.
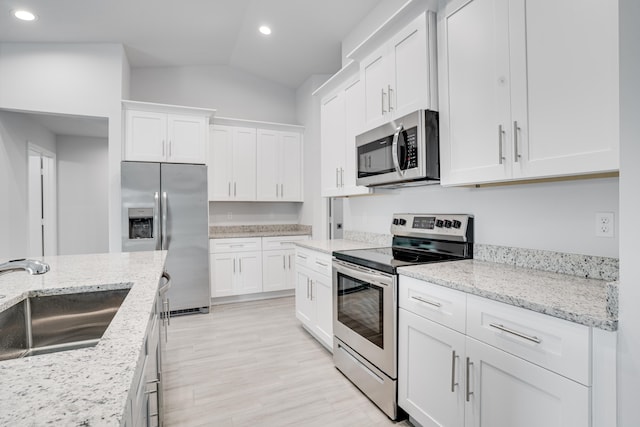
x: 165, y: 237
x: 156, y: 212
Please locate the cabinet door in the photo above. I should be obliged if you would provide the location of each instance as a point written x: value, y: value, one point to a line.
x: 220, y: 162
x: 409, y: 89
x: 354, y: 119
x: 322, y: 298
x: 243, y: 187
x: 565, y: 86
x: 375, y: 76
x: 291, y: 167
x: 223, y: 273
x: 249, y: 275
x: 304, y: 305
x: 146, y: 134
x: 474, y: 92
x: 268, y: 185
x: 509, y: 391
x: 275, y: 271
x: 187, y: 138
x: 431, y: 361
x: 332, y: 135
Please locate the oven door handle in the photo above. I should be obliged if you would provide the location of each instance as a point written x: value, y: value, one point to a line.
x: 364, y: 275
x: 394, y: 150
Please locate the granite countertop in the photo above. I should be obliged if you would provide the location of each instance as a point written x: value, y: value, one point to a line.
x: 329, y: 246
x: 577, y: 299
x: 89, y: 386
x: 267, y: 230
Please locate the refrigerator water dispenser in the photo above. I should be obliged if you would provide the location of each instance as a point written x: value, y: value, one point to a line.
x: 140, y: 223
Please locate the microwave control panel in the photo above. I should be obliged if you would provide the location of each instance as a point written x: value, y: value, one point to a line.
x: 411, y: 151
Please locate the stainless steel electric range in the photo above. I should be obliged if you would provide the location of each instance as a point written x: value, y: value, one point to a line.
x: 365, y: 298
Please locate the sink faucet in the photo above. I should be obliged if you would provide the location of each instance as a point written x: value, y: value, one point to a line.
x: 31, y: 266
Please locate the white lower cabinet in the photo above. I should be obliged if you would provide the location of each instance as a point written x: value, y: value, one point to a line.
x: 500, y: 365
x: 314, y: 298
x: 236, y: 273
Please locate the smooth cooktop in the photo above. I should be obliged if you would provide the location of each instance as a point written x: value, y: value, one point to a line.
x: 388, y: 259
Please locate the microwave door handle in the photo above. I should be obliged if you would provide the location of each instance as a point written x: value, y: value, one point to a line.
x: 394, y: 151
x: 156, y: 211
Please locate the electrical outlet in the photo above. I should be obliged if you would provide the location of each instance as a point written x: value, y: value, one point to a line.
x: 605, y: 224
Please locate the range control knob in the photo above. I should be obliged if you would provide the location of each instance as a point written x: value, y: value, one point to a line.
x: 439, y: 223
x: 395, y: 221
x: 403, y: 221
x: 456, y: 223
x: 447, y: 223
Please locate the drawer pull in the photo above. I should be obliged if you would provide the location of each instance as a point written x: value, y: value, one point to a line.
x: 454, y: 356
x: 516, y: 333
x: 468, y: 392
x: 426, y: 301
x: 302, y: 256
x: 322, y: 264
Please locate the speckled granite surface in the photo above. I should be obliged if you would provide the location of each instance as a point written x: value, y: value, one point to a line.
x: 587, y: 266
x: 90, y: 386
x: 328, y: 246
x: 379, y: 240
x: 267, y: 230
x: 577, y: 299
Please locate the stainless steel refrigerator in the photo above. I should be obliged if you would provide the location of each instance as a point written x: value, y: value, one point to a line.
x: 165, y: 206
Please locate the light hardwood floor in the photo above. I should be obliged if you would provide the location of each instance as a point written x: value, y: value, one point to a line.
x: 252, y: 364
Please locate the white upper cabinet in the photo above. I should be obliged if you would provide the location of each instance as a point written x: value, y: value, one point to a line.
x: 279, y: 168
x: 399, y: 76
x: 526, y: 93
x: 165, y: 133
x: 232, y: 164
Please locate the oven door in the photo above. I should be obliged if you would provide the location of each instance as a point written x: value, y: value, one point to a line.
x: 365, y: 313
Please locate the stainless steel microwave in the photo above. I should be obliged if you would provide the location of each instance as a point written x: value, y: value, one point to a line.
x: 402, y: 152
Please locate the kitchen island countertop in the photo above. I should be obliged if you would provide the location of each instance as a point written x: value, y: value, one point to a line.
x: 89, y: 386
x: 577, y: 299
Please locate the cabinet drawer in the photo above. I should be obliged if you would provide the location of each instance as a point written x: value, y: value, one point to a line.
x: 556, y: 344
x: 281, y: 242
x: 322, y: 264
x: 442, y: 305
x: 244, y: 244
x: 304, y: 257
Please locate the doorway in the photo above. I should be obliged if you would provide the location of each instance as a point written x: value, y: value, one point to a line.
x: 42, y: 202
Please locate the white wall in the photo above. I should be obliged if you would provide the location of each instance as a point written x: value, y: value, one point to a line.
x: 232, y: 92
x: 83, y: 188
x: 308, y: 109
x: 251, y: 213
x: 558, y: 216
x: 77, y: 79
x: 16, y: 130
x: 629, y: 319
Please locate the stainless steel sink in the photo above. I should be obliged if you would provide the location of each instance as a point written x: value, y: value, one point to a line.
x: 51, y: 323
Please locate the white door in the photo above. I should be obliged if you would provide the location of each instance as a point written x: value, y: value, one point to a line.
x: 42, y: 202
x: 431, y: 361
x: 304, y: 305
x: 474, y: 92
x: 290, y: 166
x: 146, y: 136
x: 187, y: 137
x: 268, y: 165
x: 508, y: 391
x: 322, y: 298
x: 332, y: 115
x: 375, y: 77
x: 223, y: 273
x: 274, y: 270
x: 220, y: 168
x: 249, y: 273
x: 565, y: 85
x: 244, y: 164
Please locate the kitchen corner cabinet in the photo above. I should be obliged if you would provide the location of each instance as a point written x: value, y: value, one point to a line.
x: 341, y: 119
x: 232, y: 164
x: 278, y: 262
x: 481, y: 373
x: 314, y: 297
x: 526, y: 93
x: 399, y: 76
x: 236, y: 266
x: 161, y: 133
x: 279, y: 169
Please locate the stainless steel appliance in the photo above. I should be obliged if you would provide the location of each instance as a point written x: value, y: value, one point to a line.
x: 402, y: 152
x: 165, y: 206
x: 365, y: 298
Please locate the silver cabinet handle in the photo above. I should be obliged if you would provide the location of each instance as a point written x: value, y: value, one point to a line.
x: 389, y: 90
x: 311, y: 298
x: 469, y: 392
x: 501, y: 157
x: 240, y: 264
x: 322, y: 264
x: 281, y: 190
x: 307, y: 288
x: 337, y: 172
x: 163, y: 148
x: 234, y: 266
x: 276, y: 190
x: 156, y: 212
x: 341, y: 177
x: 289, y: 262
x: 302, y: 256
x: 382, y: 98
x: 516, y: 129
x: 426, y: 301
x: 284, y: 263
x: 454, y: 356
x: 165, y: 237
x: 229, y: 189
x: 234, y: 189
x: 170, y: 150
x: 516, y: 333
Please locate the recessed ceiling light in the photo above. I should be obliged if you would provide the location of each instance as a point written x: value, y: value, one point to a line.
x: 265, y: 30
x: 24, y: 15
